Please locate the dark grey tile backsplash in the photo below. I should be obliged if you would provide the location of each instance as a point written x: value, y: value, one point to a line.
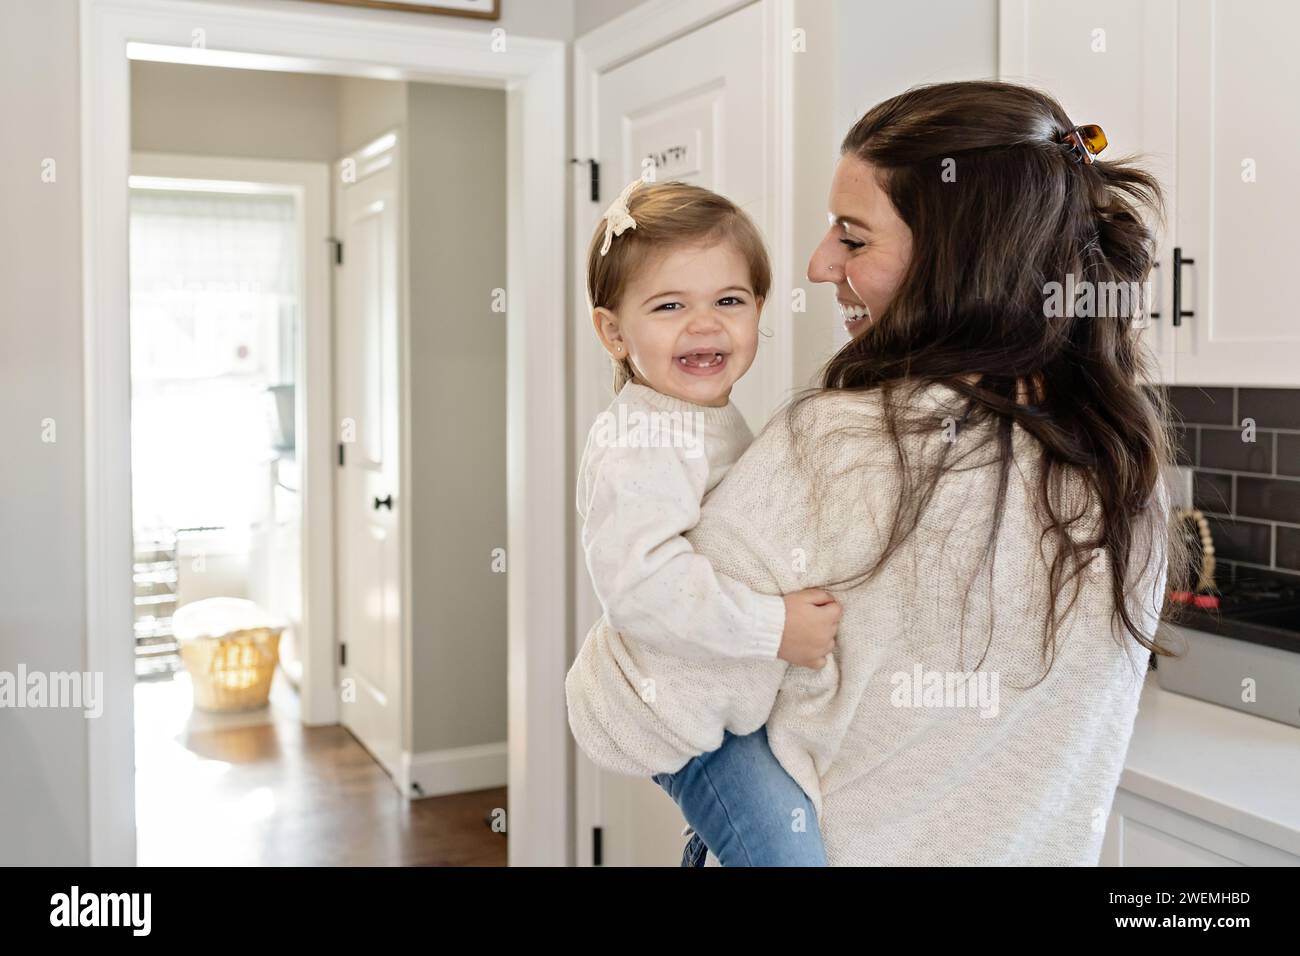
x: 1249, y: 490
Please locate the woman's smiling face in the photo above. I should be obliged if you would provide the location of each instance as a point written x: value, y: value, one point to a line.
x: 688, y: 321
x: 867, y: 248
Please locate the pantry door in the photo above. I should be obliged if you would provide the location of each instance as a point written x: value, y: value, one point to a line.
x: 697, y: 108
x: 368, y: 496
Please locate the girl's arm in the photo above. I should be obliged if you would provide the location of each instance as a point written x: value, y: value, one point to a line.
x: 653, y: 586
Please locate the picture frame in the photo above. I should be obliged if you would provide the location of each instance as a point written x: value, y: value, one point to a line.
x: 476, y: 9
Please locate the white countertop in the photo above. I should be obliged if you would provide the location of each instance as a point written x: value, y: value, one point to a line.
x: 1221, y: 765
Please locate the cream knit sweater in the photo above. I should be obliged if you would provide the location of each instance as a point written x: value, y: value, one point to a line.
x: 909, y: 757
x: 650, y: 460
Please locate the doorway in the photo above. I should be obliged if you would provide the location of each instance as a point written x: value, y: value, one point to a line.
x: 231, y: 493
x: 415, y: 449
x: 531, y: 75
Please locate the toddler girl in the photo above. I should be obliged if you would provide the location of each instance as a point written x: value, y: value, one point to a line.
x: 676, y: 277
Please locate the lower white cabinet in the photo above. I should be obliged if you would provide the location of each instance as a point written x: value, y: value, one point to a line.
x: 1142, y: 832
x: 1205, y: 785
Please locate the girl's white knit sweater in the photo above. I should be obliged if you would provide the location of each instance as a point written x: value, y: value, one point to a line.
x: 929, y: 738
x: 650, y: 460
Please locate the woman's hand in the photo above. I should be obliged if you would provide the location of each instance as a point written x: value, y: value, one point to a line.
x: 812, y: 618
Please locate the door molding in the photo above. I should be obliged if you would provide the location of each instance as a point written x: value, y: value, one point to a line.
x: 642, y: 29
x: 308, y: 183
x: 355, y: 43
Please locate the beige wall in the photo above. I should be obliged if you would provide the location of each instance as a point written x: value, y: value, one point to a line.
x: 882, y: 48
x: 43, y: 759
x: 859, y: 53
x: 257, y: 114
x: 456, y: 139
x: 551, y: 19
x: 814, y: 154
x: 367, y: 109
x: 262, y: 114
x: 589, y: 14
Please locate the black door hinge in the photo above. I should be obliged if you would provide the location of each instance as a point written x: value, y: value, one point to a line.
x: 593, y: 168
x: 343, y: 655
x: 338, y: 250
x: 596, y: 855
x: 340, y: 454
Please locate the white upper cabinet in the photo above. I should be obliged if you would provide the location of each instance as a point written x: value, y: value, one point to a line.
x: 1239, y: 195
x: 1204, y: 92
x: 1112, y: 63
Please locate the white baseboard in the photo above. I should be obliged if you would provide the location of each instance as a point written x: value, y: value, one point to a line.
x: 458, y: 770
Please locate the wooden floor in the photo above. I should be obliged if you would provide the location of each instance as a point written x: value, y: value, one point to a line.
x: 262, y: 790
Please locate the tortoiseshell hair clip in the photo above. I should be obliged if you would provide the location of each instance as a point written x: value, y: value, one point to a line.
x: 1085, y: 142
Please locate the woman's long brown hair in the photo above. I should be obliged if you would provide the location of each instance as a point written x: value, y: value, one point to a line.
x: 1021, y: 213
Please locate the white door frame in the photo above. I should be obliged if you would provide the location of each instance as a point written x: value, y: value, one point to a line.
x: 355, y: 43
x: 640, y: 30
x: 308, y: 183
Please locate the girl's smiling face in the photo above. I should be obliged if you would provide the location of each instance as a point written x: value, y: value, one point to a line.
x: 688, y: 321
x: 866, y: 251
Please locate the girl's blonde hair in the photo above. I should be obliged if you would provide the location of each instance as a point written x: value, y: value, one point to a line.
x: 669, y: 214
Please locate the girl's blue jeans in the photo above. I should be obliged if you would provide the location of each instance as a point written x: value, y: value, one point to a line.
x: 742, y: 805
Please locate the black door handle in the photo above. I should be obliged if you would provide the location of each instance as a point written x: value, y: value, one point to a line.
x: 385, y: 502
x: 1179, y: 262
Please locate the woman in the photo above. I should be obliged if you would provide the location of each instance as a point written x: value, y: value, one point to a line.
x: 977, y: 480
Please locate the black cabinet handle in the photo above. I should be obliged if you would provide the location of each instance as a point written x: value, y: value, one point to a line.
x: 385, y: 502
x: 1179, y: 262
x: 1154, y: 315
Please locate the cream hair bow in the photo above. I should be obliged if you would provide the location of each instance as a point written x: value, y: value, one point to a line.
x: 617, y: 218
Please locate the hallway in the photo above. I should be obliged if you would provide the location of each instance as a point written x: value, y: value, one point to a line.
x: 260, y: 789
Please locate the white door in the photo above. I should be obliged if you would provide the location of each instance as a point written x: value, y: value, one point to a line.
x: 1111, y: 63
x: 368, y: 497
x: 1239, y: 197
x: 695, y: 108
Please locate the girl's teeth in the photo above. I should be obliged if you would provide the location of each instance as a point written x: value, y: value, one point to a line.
x: 854, y: 311
x: 700, y: 360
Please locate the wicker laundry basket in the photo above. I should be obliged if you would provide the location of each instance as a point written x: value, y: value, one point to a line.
x: 230, y: 648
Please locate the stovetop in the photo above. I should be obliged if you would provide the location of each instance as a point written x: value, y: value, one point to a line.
x: 1263, y: 610
x: 1256, y: 594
